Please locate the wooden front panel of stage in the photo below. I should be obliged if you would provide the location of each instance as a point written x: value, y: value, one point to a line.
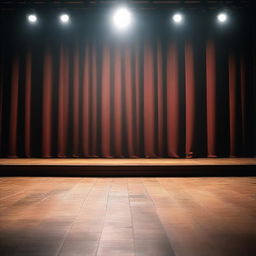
x: 127, y: 161
x: 128, y: 167
x: 128, y: 216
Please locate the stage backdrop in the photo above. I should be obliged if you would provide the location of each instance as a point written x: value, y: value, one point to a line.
x: 153, y: 94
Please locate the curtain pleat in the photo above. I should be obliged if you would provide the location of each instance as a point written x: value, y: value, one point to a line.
x: 160, y: 101
x: 129, y: 106
x: 149, y: 102
x: 117, y: 104
x: 63, y: 106
x: 14, y: 108
x: 125, y: 99
x: 86, y: 104
x: 173, y: 111
x: 66, y: 106
x: 190, y: 99
x: 211, y: 98
x: 76, y: 76
x: 138, y: 120
x: 27, y: 115
x: 1, y: 100
x: 95, y: 103
x: 243, y: 102
x: 47, y: 106
x: 232, y: 103
x: 105, y: 104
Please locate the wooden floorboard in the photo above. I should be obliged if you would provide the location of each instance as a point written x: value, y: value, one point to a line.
x: 50, y: 216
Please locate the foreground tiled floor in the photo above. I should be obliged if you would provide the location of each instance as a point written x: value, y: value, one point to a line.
x: 128, y: 216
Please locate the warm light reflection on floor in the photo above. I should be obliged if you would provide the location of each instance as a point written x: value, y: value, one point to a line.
x: 128, y: 216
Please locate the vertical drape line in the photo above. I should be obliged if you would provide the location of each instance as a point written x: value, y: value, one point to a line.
x: 211, y: 98
x: 149, y: 103
x: 27, y: 115
x: 14, y: 108
x: 76, y: 102
x: 117, y: 104
x: 172, y: 101
x: 129, y: 102
x: 243, y: 102
x: 47, y: 105
x: 95, y: 103
x: 137, y: 99
x: 190, y: 98
x: 66, y: 102
x: 86, y: 103
x: 159, y: 100
x: 1, y: 98
x: 63, y: 111
x: 105, y: 100
x: 61, y: 104
x: 232, y: 103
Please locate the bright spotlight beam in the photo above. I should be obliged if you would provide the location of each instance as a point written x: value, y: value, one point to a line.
x: 64, y: 18
x: 222, y: 17
x: 32, y: 18
x: 122, y: 18
x: 177, y: 18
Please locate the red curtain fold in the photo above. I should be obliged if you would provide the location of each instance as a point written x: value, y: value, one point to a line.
x: 105, y: 104
x: 63, y: 107
x: 232, y: 103
x: 117, y: 83
x: 76, y: 102
x: 173, y: 111
x: 243, y: 100
x: 149, y: 102
x: 14, y: 101
x: 190, y: 99
x: 211, y: 98
x: 27, y: 114
x: 129, y: 106
x: 1, y: 99
x: 47, y: 106
x: 138, y: 123
x: 124, y: 99
x: 160, y: 101
x: 95, y: 103
x: 86, y: 104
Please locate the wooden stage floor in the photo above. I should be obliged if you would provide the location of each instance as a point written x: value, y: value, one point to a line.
x: 127, y: 161
x: 53, y: 216
x: 123, y: 167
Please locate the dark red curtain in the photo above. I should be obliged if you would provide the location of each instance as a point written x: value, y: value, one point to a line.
x: 142, y: 98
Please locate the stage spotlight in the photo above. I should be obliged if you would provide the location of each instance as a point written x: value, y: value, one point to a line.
x: 222, y: 17
x: 122, y: 18
x: 177, y: 18
x: 64, y: 18
x: 32, y: 18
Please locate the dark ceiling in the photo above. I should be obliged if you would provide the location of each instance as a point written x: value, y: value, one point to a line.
x: 208, y: 4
